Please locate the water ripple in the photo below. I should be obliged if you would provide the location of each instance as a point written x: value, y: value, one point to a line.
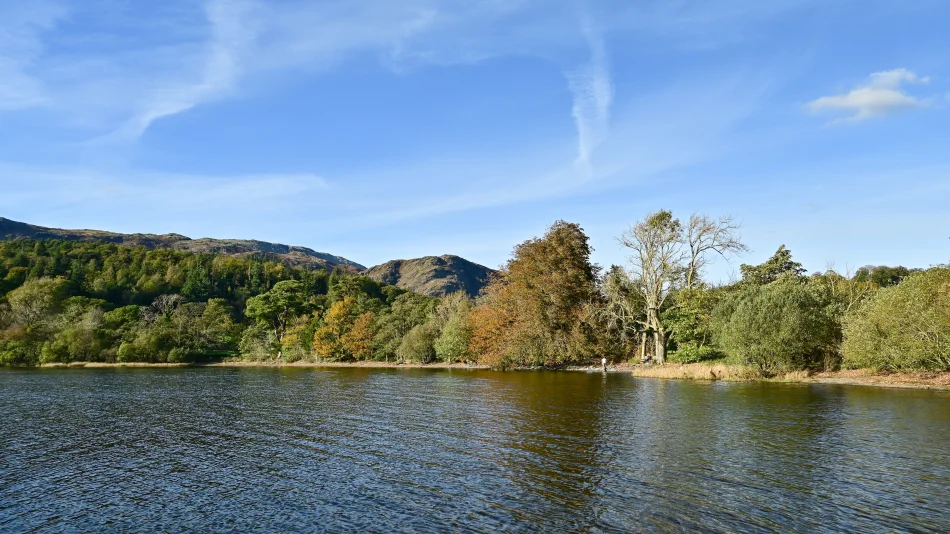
x: 236, y: 450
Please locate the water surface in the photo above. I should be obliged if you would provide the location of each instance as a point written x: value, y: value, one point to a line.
x: 237, y: 449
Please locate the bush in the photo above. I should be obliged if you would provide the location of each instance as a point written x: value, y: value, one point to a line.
x: 904, y: 327
x: 418, y: 345
x: 257, y: 344
x: 695, y: 354
x: 786, y: 325
x: 452, y: 344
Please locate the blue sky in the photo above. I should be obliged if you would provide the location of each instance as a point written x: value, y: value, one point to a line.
x: 376, y: 130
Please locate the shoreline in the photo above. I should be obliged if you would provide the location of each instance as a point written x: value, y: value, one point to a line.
x: 848, y: 377
x: 696, y: 371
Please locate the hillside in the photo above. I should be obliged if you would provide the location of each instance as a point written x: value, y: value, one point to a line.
x: 291, y: 255
x: 433, y: 275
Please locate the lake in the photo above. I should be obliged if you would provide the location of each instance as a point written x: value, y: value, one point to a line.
x: 351, y: 449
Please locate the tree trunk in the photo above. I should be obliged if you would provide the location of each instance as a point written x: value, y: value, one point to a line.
x: 659, y: 346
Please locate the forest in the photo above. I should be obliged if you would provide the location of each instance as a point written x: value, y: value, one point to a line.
x: 549, y: 306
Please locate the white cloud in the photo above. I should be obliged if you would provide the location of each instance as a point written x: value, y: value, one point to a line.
x: 231, y: 32
x: 593, y: 94
x: 881, y: 95
x: 21, y: 26
x: 121, y: 91
x: 148, y: 193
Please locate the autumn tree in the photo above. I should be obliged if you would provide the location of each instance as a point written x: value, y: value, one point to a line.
x: 539, y: 310
x: 359, y: 340
x: 328, y: 339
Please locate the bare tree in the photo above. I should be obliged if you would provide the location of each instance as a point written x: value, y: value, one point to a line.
x: 622, y: 306
x: 656, y: 265
x: 666, y: 256
x: 704, y: 235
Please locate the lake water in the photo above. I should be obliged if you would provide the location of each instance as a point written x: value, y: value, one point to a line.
x: 229, y: 449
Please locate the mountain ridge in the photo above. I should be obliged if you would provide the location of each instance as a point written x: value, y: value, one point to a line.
x: 435, y: 276
x: 292, y: 255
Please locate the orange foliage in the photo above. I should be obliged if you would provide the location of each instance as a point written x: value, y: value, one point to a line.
x: 537, y: 311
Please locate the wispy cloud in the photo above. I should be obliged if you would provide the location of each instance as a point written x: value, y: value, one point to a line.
x: 147, y: 194
x: 21, y: 27
x: 593, y: 94
x: 231, y: 32
x: 883, y: 94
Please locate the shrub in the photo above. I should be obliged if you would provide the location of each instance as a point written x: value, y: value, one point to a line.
x: 782, y: 326
x: 695, y: 354
x: 904, y: 327
x: 418, y: 345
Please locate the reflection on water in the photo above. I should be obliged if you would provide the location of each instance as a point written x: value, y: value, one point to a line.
x: 425, y: 450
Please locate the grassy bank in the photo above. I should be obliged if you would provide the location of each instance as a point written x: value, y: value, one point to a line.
x: 741, y: 373
x: 694, y: 371
x: 269, y: 363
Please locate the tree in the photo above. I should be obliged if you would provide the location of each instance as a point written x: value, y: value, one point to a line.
x: 278, y: 307
x: 539, y: 310
x: 780, y: 264
x: 882, y: 275
x: 622, y: 310
x: 903, y: 327
x: 418, y: 344
x: 690, y: 322
x: 452, y: 317
x: 408, y: 310
x: 705, y: 235
x: 328, y: 339
x: 216, y: 326
x: 782, y: 326
x: 37, y: 300
x: 657, y: 264
x: 359, y: 340
x: 666, y: 256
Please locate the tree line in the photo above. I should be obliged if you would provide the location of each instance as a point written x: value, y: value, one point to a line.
x: 549, y: 305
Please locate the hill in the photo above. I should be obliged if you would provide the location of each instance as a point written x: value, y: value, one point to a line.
x: 433, y: 275
x: 291, y: 255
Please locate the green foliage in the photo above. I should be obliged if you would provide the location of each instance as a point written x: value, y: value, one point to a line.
x: 883, y: 276
x: 903, y: 327
x: 689, y: 320
x: 779, y: 265
x: 695, y: 354
x: 452, y: 315
x: 36, y: 300
x: 419, y: 344
x: 408, y: 311
x: 258, y: 343
x: 278, y: 307
x: 67, y: 301
x: 783, y: 326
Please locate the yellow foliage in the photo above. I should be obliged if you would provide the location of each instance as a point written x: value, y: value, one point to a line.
x: 359, y: 340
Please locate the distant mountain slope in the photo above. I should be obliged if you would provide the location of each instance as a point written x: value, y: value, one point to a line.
x: 436, y: 276
x: 291, y: 255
